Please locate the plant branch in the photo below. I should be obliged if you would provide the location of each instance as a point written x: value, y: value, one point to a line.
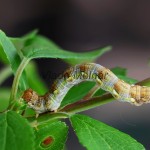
x: 47, y: 117
x: 145, y: 82
x: 17, y: 78
x: 88, y: 104
x: 91, y: 92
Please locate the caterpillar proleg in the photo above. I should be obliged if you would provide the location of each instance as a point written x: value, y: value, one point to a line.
x: 106, y: 80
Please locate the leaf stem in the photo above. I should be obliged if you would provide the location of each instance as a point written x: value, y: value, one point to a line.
x: 145, y: 82
x: 91, y: 92
x: 88, y: 104
x: 47, y: 117
x: 5, y: 73
x: 17, y: 78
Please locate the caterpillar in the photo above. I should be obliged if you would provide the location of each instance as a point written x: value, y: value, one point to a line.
x: 106, y: 80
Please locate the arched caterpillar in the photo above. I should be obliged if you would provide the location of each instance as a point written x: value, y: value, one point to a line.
x: 106, y: 80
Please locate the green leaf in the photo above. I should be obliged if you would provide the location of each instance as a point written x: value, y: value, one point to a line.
x: 16, y: 133
x: 29, y: 37
x: 119, y: 71
x: 99, y: 92
x: 5, y: 73
x: 18, y: 44
x: 95, y: 135
x: 21, y: 42
x: 4, y: 99
x: 41, y: 47
x: 127, y: 79
x: 77, y: 92
x: 56, y: 132
x: 9, y: 54
x: 34, y: 80
x: 9, y: 51
x: 3, y: 57
x: 84, y: 57
x: 42, y: 41
x: 15, y: 46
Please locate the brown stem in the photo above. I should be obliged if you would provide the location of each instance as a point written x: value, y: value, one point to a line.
x: 91, y: 92
x: 88, y: 104
x: 145, y: 82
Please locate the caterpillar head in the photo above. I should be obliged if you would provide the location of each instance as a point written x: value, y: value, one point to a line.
x: 34, y: 100
x: 31, y: 97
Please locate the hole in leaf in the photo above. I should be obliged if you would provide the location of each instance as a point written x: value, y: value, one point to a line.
x: 47, y: 142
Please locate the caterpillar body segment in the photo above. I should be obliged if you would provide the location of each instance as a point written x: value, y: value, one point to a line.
x: 106, y: 80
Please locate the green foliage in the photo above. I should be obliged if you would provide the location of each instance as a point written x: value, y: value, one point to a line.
x: 4, y: 98
x: 119, y: 71
x: 95, y: 135
x: 57, y: 131
x: 50, y: 133
x: 41, y: 47
x: 8, y: 54
x: 77, y: 92
x: 24, y: 41
x: 4, y: 74
x: 122, y: 74
x: 34, y: 80
x: 15, y: 131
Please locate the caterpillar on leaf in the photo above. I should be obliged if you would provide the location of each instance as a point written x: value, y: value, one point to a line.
x: 105, y: 79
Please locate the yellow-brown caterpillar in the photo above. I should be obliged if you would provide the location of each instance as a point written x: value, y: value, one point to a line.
x: 106, y: 80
